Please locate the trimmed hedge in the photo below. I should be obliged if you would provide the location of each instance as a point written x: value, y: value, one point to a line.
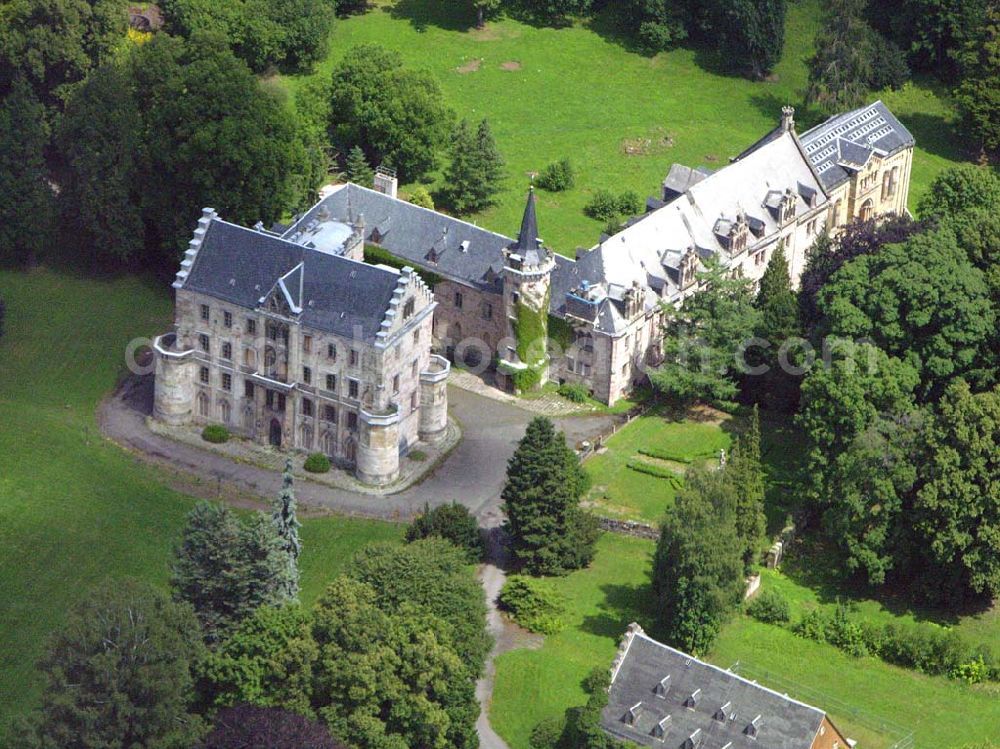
x: 533, y: 604
x: 660, y: 473
x: 215, y: 433
x: 317, y: 463
x: 655, y: 452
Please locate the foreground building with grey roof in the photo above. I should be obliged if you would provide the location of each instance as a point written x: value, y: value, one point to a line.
x: 302, y: 345
x: 661, y: 697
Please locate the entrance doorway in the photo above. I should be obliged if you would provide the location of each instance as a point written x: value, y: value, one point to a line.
x: 275, y: 436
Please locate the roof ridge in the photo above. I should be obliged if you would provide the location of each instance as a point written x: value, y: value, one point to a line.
x: 727, y: 672
x: 422, y: 208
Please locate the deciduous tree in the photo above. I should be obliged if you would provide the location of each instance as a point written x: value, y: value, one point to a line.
x: 246, y: 726
x: 118, y: 673
x: 451, y: 522
x: 698, y: 565
x: 703, y: 340
x: 26, y: 201
x: 396, y: 115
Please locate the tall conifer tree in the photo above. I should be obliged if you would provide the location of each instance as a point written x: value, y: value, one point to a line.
x: 286, y: 523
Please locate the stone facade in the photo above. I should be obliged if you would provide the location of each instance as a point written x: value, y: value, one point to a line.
x: 271, y: 373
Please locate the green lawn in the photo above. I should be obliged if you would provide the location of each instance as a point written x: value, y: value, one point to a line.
x: 579, y: 93
x: 866, y: 698
x: 73, y: 507
x: 621, y: 491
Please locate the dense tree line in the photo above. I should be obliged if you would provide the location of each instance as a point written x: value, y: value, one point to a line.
x: 904, y: 428
x: 386, y: 659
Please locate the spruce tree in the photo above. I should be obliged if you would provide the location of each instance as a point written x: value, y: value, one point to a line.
x: 357, y: 169
x: 549, y: 533
x: 746, y: 475
x: 270, y: 579
x: 778, y: 323
x: 209, y: 571
x: 286, y: 523
x: 753, y: 32
x: 475, y: 172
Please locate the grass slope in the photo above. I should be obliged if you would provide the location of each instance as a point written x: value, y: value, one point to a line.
x: 73, y: 507
x: 578, y: 92
x: 866, y: 698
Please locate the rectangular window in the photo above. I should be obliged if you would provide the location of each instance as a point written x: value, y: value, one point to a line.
x: 227, y: 350
x: 331, y: 383
x: 352, y: 388
x: 352, y: 421
x: 307, y: 375
x: 227, y: 319
x: 248, y: 391
x: 331, y: 352
x: 353, y: 361
x: 413, y: 401
x: 203, y: 375
x: 330, y: 414
x: 227, y: 381
x: 415, y: 368
x: 251, y: 326
x: 307, y: 343
x: 487, y: 311
x: 395, y: 384
x: 416, y: 336
x: 281, y: 402
x: 307, y: 407
x: 269, y: 399
x: 408, y: 309
x: 203, y: 342
x: 204, y: 312
x: 458, y: 300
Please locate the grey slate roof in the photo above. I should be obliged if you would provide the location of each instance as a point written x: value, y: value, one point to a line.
x: 448, y: 246
x: 529, y: 244
x: 716, y: 707
x: 680, y: 178
x: 849, y: 139
x: 336, y: 294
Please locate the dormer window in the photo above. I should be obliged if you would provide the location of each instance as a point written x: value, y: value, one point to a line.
x: 753, y: 728
x: 723, y: 712
x: 662, y: 687
x: 660, y: 729
x: 632, y: 716
x: 738, y: 235
x: 787, y: 210
x: 692, y: 701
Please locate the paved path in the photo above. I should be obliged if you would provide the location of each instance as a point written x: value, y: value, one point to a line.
x: 473, y: 473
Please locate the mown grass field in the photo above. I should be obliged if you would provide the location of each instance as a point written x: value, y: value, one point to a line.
x: 620, y: 490
x: 866, y: 698
x: 74, y: 508
x: 622, y: 118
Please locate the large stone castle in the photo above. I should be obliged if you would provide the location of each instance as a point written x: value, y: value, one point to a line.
x: 290, y: 338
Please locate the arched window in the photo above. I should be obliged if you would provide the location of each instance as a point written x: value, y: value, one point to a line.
x: 203, y: 405
x: 329, y: 444
x: 867, y: 211
x: 225, y: 411
x: 835, y: 213
x: 306, y: 436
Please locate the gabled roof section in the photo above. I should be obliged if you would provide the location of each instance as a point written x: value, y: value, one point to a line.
x: 660, y: 696
x: 461, y: 251
x: 838, y: 144
x: 324, y: 291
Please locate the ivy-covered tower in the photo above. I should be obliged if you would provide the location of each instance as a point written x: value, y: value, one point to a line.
x: 528, y: 267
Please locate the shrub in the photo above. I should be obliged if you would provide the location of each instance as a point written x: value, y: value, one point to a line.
x: 417, y: 455
x: 655, y: 452
x: 655, y: 36
x: 317, y: 463
x: 603, y: 206
x: 770, y: 607
x: 451, y: 522
x: 557, y: 176
x: 420, y: 196
x: 215, y: 433
x: 629, y: 203
x: 812, y: 626
x: 533, y: 604
x: 573, y: 391
x: 548, y: 733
